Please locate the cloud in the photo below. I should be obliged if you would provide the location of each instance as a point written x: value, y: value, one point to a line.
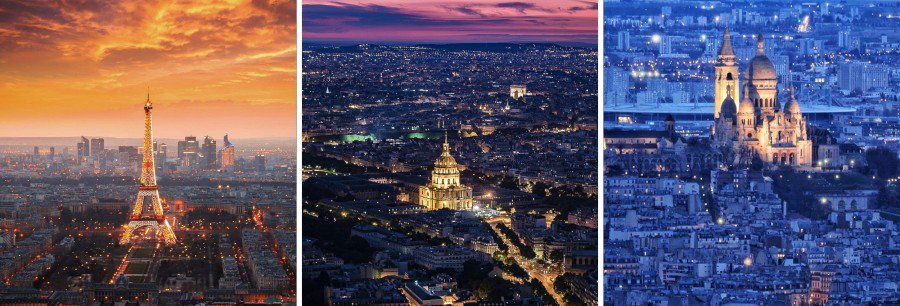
x: 435, y: 21
x: 519, y: 6
x: 323, y: 18
x: 84, y: 57
x: 589, y: 6
x: 467, y: 10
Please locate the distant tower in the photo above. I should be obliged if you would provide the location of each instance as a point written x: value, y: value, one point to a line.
x: 727, y: 77
x: 227, y: 158
x: 148, y: 193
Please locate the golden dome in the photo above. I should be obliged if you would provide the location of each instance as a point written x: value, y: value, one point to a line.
x: 445, y: 164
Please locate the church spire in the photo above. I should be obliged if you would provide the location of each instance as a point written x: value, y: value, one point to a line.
x: 760, y: 45
x: 446, y: 145
x: 726, y: 49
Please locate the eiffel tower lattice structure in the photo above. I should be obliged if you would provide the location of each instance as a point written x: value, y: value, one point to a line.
x: 147, y: 212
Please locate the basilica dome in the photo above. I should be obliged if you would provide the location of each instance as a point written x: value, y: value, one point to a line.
x: 746, y: 105
x: 792, y: 107
x: 761, y: 68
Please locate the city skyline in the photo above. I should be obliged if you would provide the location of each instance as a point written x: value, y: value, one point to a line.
x: 750, y: 153
x: 570, y: 21
x: 212, y: 67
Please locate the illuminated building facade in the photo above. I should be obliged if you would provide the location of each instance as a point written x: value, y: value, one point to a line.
x: 517, y: 91
x: 189, y: 151
x: 148, y: 194
x: 445, y: 190
x: 758, y: 125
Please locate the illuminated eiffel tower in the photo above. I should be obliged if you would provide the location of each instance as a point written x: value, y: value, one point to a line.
x: 151, y: 217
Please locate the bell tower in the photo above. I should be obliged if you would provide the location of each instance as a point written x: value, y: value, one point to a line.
x: 727, y: 77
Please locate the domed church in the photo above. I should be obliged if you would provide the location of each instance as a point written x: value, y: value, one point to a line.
x: 753, y: 122
x: 445, y: 190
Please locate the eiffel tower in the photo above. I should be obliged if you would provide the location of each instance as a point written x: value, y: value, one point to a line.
x: 148, y: 194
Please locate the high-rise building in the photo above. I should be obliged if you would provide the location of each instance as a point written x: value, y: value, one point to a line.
x: 844, y: 39
x: 52, y: 156
x: 128, y: 154
x: 665, y: 45
x: 259, y: 162
x: 209, y: 151
x: 227, y: 158
x: 161, y: 150
x: 623, y: 41
x: 189, y: 151
x: 615, y: 84
x: 37, y: 153
x: 862, y: 76
x: 84, y: 149
x: 445, y: 189
x: 96, y: 146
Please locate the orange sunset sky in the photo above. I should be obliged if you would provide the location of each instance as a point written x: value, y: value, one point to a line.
x: 78, y: 67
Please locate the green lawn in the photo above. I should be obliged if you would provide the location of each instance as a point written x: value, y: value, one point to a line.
x: 137, y: 267
x: 142, y: 253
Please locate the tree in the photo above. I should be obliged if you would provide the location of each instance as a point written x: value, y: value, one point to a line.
x: 494, y: 289
x: 884, y: 161
x: 542, y: 292
x: 509, y: 183
x: 314, y: 290
x: 540, y: 188
x: 560, y: 285
x: 472, y: 274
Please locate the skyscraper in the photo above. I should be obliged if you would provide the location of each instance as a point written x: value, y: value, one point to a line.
x: 188, y: 151
x: 624, y: 40
x: 227, y: 158
x: 161, y: 150
x: 96, y: 146
x: 210, y: 160
x: 84, y: 149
